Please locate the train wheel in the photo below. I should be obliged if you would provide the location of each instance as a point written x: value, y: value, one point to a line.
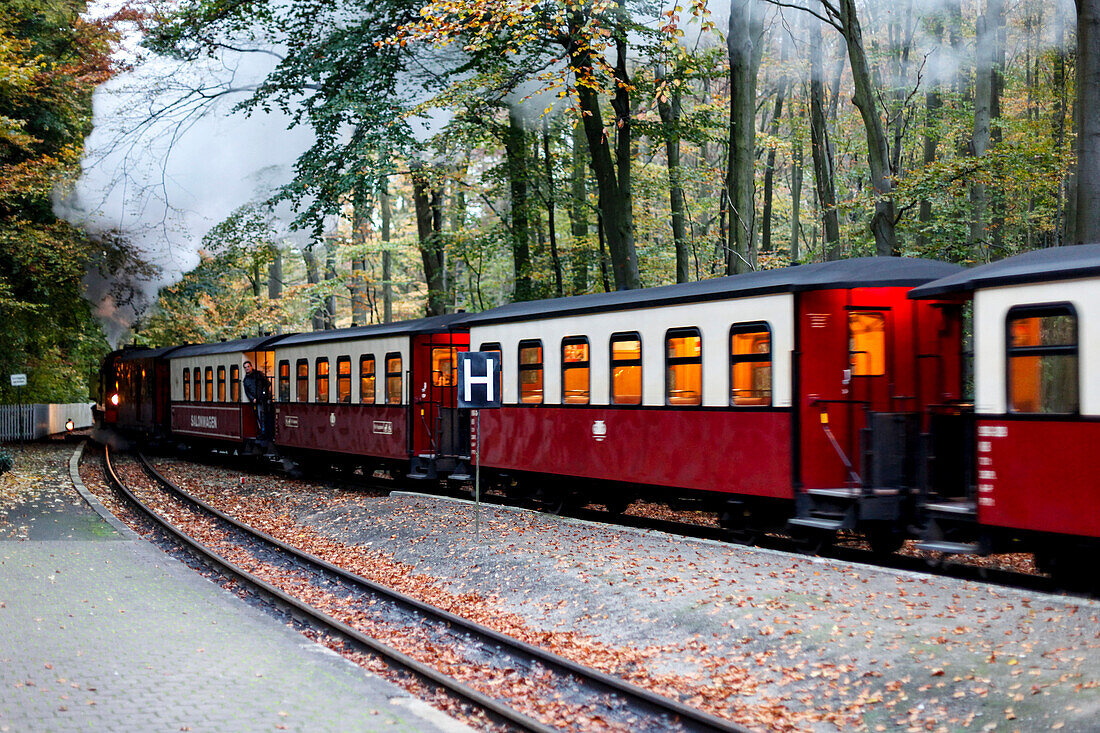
x: 885, y: 539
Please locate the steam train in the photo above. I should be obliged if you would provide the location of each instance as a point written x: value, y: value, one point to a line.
x: 820, y: 398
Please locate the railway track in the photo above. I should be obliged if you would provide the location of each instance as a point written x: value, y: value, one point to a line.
x: 947, y: 567
x: 555, y: 683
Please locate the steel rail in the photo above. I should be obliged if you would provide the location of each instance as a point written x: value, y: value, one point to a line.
x: 691, y: 718
x: 393, y: 657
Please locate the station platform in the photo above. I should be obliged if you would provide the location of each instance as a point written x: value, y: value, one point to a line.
x: 101, y: 631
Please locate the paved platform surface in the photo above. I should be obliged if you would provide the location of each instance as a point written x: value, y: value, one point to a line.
x: 102, y: 632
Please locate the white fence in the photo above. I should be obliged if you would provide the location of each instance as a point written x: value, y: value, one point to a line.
x: 30, y: 422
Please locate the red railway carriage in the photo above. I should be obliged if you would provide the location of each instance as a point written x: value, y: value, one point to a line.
x: 207, y: 401
x: 750, y: 391
x: 134, y: 389
x: 1029, y: 436
x: 382, y: 393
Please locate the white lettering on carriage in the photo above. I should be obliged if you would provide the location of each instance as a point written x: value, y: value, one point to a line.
x: 993, y: 431
x: 210, y: 422
x: 383, y: 427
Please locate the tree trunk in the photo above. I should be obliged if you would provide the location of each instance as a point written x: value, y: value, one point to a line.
x: 275, y: 274
x: 360, y: 225
x: 551, y: 226
x: 743, y: 42
x: 796, y: 194
x: 612, y: 175
x: 1088, y: 130
x: 330, y: 277
x: 1058, y: 119
x: 769, y: 171
x: 979, y: 141
x: 933, y: 103
x: 387, y: 257
x: 429, y: 224
x: 878, y: 145
x: 313, y: 277
x: 578, y: 217
x: 668, y: 106
x: 515, y: 152
x: 821, y: 150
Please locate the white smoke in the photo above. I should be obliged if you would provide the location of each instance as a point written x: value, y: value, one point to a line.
x: 168, y: 158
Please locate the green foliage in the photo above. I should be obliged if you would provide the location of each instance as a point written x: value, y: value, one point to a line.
x: 6, y: 462
x: 50, y: 61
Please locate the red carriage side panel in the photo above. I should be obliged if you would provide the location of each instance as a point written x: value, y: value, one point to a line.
x: 744, y: 452
x: 1039, y: 475
x: 209, y: 420
x: 368, y: 430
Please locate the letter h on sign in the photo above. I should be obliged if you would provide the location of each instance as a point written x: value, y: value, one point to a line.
x: 478, y: 379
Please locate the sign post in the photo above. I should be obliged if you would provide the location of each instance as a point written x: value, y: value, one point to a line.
x: 478, y: 389
x: 20, y: 380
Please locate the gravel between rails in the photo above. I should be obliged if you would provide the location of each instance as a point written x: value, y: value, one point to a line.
x: 771, y: 640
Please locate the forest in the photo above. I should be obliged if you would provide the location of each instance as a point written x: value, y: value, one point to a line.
x: 469, y: 153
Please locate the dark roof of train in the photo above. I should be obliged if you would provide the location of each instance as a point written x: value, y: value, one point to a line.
x: 432, y: 324
x: 145, y: 353
x: 856, y: 272
x: 226, y: 347
x: 1056, y: 263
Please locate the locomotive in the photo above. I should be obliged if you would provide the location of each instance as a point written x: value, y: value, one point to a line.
x: 820, y: 398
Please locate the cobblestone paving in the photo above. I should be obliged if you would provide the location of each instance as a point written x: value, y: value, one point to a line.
x: 38, y: 501
x: 114, y: 636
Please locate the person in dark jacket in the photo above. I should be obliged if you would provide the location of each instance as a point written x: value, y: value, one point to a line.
x: 258, y: 391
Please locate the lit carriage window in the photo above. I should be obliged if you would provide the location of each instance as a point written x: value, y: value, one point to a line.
x: 443, y: 366
x: 235, y: 383
x: 867, y: 343
x: 221, y: 384
x: 322, y: 380
x: 683, y: 367
x: 750, y: 364
x: 198, y: 384
x: 393, y: 379
x: 343, y: 379
x: 302, y: 366
x: 284, y: 381
x: 208, y: 375
x: 186, y: 385
x: 530, y: 372
x: 1042, y: 359
x: 366, y: 379
x: 626, y: 369
x: 574, y: 370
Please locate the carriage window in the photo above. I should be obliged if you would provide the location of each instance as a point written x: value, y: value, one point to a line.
x: 493, y: 347
x: 198, y: 384
x: 221, y: 384
x: 1042, y: 359
x: 530, y: 372
x: 574, y: 370
x: 235, y: 383
x: 343, y: 379
x: 867, y: 343
x: 750, y: 364
x: 626, y: 369
x: 366, y: 379
x: 443, y: 366
x: 321, y: 378
x: 302, y: 366
x: 186, y: 385
x: 284, y: 381
x: 393, y: 379
x: 683, y: 367
x: 208, y: 376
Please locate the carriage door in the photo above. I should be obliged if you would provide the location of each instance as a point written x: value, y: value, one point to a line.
x: 437, y: 429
